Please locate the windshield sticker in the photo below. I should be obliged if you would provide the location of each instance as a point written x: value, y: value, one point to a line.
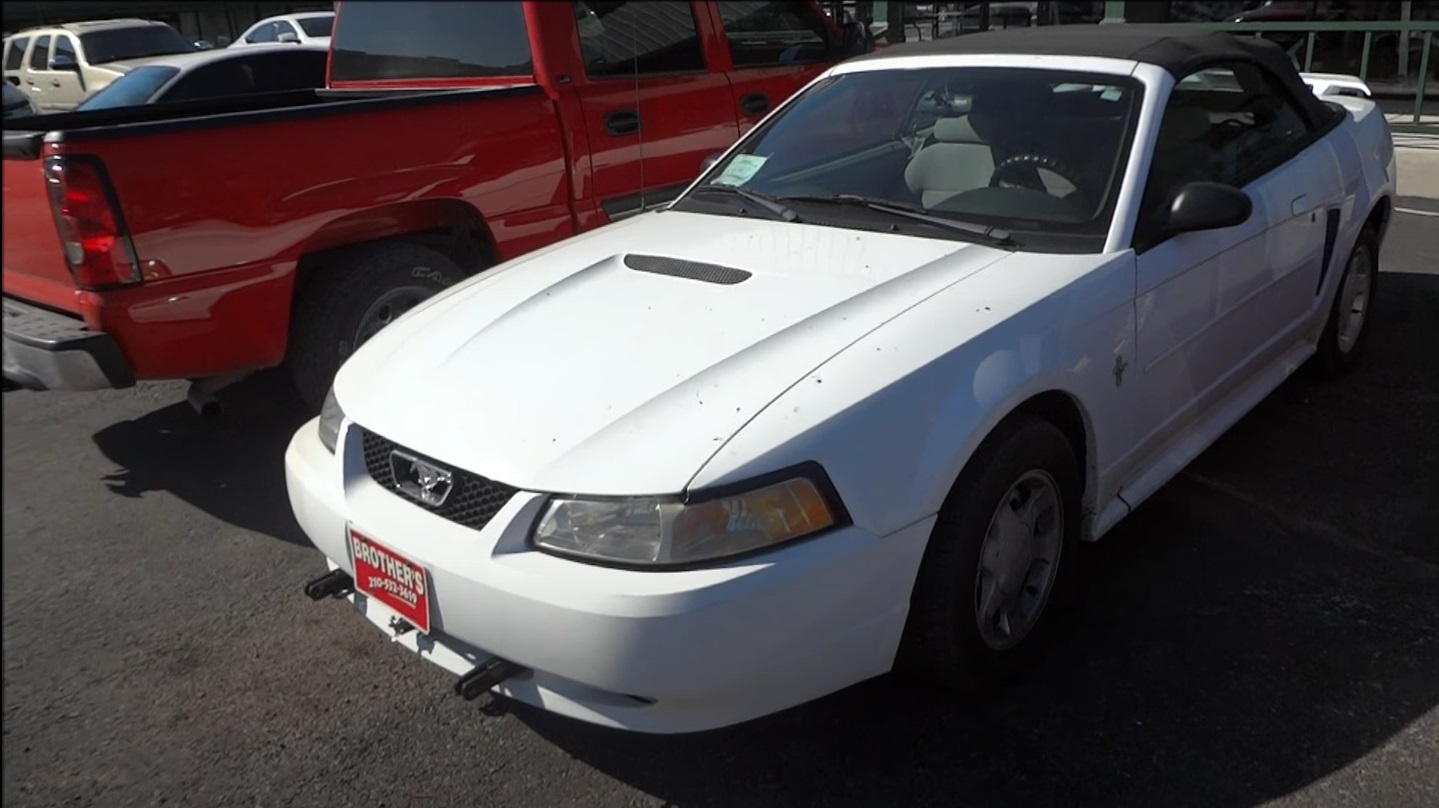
x: 741, y: 167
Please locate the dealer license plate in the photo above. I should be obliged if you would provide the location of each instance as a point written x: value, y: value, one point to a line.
x: 392, y: 579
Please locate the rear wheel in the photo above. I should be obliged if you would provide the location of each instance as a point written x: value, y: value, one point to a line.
x: 1349, y: 323
x: 356, y: 294
x: 986, y: 596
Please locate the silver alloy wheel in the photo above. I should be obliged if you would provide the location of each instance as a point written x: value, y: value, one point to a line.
x: 1354, y: 298
x: 1018, y: 560
x: 387, y: 309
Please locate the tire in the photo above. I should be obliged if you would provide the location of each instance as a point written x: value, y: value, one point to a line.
x: 1344, y: 336
x: 351, y: 297
x: 943, y: 643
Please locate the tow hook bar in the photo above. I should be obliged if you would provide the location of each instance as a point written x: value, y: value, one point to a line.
x: 485, y: 676
x: 333, y: 584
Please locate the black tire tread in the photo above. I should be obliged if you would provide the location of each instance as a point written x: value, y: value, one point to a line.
x: 331, y: 298
x: 941, y: 643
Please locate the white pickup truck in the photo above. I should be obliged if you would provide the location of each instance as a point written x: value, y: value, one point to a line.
x: 852, y: 400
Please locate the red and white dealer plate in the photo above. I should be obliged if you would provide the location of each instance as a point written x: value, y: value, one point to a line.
x: 392, y: 579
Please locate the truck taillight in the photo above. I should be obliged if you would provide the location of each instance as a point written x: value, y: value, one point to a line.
x: 97, y: 245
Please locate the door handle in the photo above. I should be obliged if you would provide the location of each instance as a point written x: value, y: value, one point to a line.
x: 754, y: 104
x: 54, y: 82
x: 622, y: 122
x: 1299, y: 206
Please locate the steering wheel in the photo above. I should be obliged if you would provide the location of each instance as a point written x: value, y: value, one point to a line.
x: 1023, y: 170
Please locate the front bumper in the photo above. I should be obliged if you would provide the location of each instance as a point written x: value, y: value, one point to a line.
x: 660, y: 652
x: 45, y: 350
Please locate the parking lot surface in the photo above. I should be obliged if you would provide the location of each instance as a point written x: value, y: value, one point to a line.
x: 1265, y: 629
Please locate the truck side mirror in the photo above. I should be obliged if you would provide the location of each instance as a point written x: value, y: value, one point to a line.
x: 854, y: 39
x: 64, y: 61
x: 289, y: 36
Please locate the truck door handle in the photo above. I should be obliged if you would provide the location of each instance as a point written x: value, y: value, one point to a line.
x: 54, y: 82
x: 754, y: 104
x: 622, y: 122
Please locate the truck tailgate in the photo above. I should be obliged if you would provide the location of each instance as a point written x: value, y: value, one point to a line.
x: 34, y: 260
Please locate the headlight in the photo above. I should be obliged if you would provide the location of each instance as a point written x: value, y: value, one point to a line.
x: 657, y: 531
x: 330, y: 417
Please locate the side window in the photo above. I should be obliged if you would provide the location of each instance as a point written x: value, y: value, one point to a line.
x: 620, y: 39
x: 265, y: 33
x: 40, y: 54
x: 1231, y: 124
x: 15, y: 54
x: 283, y: 72
x: 230, y: 77
x: 763, y: 34
x: 65, y: 46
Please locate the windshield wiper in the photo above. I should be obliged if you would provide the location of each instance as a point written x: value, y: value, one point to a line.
x: 765, y: 201
x: 985, y: 234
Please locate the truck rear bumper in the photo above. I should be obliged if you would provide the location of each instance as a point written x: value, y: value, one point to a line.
x: 49, y: 351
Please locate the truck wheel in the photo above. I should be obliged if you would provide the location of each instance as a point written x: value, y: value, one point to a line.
x: 357, y: 293
x: 984, y: 601
x: 1348, y: 324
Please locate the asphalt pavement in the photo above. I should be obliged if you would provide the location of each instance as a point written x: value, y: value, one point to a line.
x: 1265, y: 629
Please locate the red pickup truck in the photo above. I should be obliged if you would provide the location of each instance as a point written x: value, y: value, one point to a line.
x: 205, y: 240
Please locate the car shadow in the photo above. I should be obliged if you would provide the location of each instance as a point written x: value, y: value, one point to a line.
x: 231, y: 467
x: 1264, y: 621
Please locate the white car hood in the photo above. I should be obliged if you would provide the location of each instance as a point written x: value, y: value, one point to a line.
x: 567, y: 371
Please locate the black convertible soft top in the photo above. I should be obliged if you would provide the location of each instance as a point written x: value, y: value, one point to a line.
x: 1178, y: 48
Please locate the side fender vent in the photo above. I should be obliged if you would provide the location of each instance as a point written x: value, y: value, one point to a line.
x: 693, y: 270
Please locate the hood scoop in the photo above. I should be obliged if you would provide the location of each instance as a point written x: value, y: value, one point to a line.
x: 692, y: 270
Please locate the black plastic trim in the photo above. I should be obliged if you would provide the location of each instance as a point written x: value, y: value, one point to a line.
x: 686, y: 269
x: 1331, y: 234
x: 810, y: 470
x: 619, y: 207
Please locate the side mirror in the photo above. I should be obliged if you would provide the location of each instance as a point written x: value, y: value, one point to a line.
x: 1207, y: 206
x: 289, y: 37
x: 708, y: 162
x: 64, y: 61
x: 854, y: 39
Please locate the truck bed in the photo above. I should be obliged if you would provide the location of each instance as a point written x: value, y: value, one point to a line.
x: 243, y: 189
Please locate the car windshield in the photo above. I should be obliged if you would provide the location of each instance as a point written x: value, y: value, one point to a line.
x: 139, y: 42
x: 1037, y: 154
x: 134, y: 88
x: 420, y: 40
x: 317, y: 26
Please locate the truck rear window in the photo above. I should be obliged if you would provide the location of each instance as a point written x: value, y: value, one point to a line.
x: 423, y: 40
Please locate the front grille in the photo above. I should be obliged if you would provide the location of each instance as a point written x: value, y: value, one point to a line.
x: 474, y: 501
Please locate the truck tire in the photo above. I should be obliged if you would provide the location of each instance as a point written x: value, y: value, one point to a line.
x: 999, y: 561
x: 349, y: 299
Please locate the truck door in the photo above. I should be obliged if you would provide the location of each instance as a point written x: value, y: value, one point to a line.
x: 776, y: 49
x: 653, y: 106
x: 65, y: 88
x: 32, y: 75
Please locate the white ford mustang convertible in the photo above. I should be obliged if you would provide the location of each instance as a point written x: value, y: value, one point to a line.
x: 850, y: 403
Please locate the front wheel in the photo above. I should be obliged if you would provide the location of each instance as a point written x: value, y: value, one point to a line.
x: 985, y: 598
x: 346, y: 302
